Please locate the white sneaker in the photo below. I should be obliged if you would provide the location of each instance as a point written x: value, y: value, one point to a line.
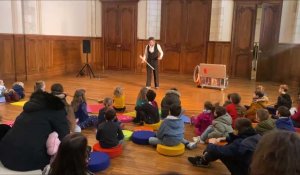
x: 192, y: 145
x: 198, y: 139
x: 148, y: 87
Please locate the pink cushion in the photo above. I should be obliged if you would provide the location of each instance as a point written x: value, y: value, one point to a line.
x: 95, y: 108
x: 124, y: 118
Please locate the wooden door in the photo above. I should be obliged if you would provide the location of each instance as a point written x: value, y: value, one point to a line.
x: 242, y: 38
x: 184, y: 34
x: 171, y: 34
x: 196, y: 36
x: 269, y: 38
x: 119, y: 31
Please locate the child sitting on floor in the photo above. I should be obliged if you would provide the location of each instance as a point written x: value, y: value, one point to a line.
x: 235, y: 110
x: 221, y: 126
x: 284, y: 99
x: 227, y: 102
x: 39, y: 85
x: 203, y: 120
x: 284, y: 121
x: 119, y: 99
x: 237, y: 154
x: 141, y: 98
x: 2, y: 92
x: 296, y: 115
x: 58, y: 90
x: 257, y: 103
x: 262, y: 90
x: 171, y: 131
x: 265, y: 122
x: 80, y: 108
x: 107, y: 105
x: 148, y: 112
x: 16, y: 93
x: 109, y: 133
x: 172, y: 97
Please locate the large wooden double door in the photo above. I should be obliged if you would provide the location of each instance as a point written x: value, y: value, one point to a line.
x: 243, y: 36
x: 184, y: 34
x: 119, y: 33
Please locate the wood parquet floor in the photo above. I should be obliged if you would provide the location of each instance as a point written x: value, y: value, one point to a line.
x: 138, y: 159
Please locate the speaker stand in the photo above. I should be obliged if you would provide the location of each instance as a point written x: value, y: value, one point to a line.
x: 87, y: 67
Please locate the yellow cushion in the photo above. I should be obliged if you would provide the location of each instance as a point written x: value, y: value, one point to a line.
x: 154, y: 126
x: 170, y: 150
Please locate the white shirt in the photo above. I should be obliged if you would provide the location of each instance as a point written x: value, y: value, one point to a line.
x: 151, y: 49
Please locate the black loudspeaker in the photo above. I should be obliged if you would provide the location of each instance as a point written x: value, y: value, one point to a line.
x: 86, y: 46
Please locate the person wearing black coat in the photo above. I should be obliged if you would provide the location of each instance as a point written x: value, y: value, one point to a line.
x: 172, y: 97
x: 23, y: 148
x: 237, y: 154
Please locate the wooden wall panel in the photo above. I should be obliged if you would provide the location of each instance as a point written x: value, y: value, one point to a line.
x: 7, y: 63
x: 41, y: 56
x: 286, y: 64
x: 219, y: 53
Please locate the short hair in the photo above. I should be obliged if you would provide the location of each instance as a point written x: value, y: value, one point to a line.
x: 110, y: 114
x: 150, y: 95
x: 262, y: 114
x: 260, y: 88
x: 175, y: 110
x: 284, y: 111
x: 228, y: 96
x: 108, y: 101
x: 277, y: 153
x: 242, y: 124
x: 208, y: 105
x: 57, y: 88
x: 151, y: 38
x: 174, y: 89
x: 39, y: 85
x: 284, y: 87
x: 235, y: 98
x: 219, y: 110
x: 259, y: 94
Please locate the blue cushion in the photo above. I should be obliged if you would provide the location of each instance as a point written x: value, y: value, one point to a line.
x: 98, y: 161
x: 185, y: 119
x: 142, y: 137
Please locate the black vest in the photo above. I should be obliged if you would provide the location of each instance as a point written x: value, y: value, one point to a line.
x: 154, y: 54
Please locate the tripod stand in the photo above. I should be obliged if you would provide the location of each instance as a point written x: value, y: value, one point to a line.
x: 87, y: 67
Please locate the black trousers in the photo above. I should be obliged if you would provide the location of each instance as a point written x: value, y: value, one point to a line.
x: 154, y: 64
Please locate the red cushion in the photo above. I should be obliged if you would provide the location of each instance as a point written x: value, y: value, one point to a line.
x: 112, y: 152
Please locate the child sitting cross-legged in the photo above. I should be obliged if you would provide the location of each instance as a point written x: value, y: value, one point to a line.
x: 171, y: 131
x: 80, y: 108
x: 265, y: 122
x: 221, y: 126
x: 203, y: 120
x: 119, y: 99
x: 148, y: 112
x: 109, y: 133
x: 259, y: 102
x: 237, y: 154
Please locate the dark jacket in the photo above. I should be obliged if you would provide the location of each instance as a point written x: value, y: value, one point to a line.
x: 19, y: 90
x: 109, y: 134
x: 285, y: 123
x: 171, y: 131
x: 81, y: 114
x: 238, y: 152
x: 284, y: 100
x: 148, y: 113
x: 172, y: 97
x: 23, y: 148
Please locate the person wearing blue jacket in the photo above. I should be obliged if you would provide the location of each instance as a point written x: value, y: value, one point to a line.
x: 171, y: 131
x: 237, y: 154
x: 284, y: 121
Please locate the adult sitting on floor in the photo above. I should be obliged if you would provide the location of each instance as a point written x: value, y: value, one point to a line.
x: 237, y: 154
x: 23, y: 148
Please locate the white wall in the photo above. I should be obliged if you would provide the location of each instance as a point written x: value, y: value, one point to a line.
x: 5, y: 17
x: 221, y: 20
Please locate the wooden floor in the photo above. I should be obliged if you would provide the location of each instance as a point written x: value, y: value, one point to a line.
x: 138, y: 159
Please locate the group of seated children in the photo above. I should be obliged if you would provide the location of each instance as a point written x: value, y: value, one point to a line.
x: 11, y: 95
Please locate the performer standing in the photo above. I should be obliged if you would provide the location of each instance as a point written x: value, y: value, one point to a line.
x: 152, y: 54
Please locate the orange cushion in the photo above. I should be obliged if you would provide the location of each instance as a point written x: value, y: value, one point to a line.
x: 112, y: 152
x: 143, y: 128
